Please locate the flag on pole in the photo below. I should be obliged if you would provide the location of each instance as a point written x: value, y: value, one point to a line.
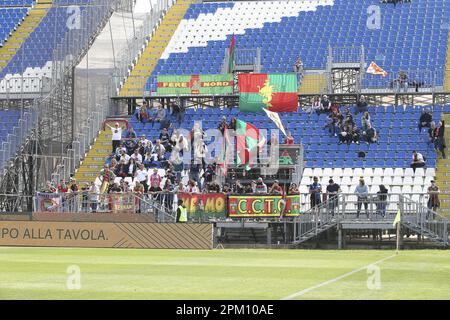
x: 231, y: 63
x: 247, y: 137
x: 275, y: 92
x: 376, y: 70
x: 226, y: 151
x: 397, y: 218
x: 275, y: 117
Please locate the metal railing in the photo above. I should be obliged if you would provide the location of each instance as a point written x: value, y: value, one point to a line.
x: 420, y: 80
x: 371, y: 208
x: 129, y: 56
x: 17, y: 136
x: 16, y: 87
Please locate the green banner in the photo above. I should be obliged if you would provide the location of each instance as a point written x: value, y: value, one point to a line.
x: 214, y: 84
x: 263, y: 206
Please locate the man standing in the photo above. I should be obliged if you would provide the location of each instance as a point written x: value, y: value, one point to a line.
x: 261, y: 187
x: 315, y: 190
x: 362, y: 191
x: 440, y: 138
x: 361, y: 105
x: 116, y: 136
x: 332, y: 195
x: 181, y: 212
x: 433, y: 200
x: 155, y: 181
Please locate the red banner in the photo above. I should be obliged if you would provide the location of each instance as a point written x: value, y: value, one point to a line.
x: 204, y: 204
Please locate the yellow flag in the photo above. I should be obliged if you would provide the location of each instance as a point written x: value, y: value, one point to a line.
x: 397, y: 218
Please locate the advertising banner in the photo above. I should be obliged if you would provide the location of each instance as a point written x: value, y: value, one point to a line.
x: 204, y: 205
x: 263, y: 206
x: 48, y: 202
x: 124, y: 203
x: 106, y: 235
x: 210, y: 84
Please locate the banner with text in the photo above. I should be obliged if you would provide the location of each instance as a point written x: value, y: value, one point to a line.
x: 106, y: 235
x: 204, y: 205
x: 263, y: 206
x: 48, y: 202
x: 210, y: 84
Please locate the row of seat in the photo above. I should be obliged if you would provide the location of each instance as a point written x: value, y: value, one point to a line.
x: 419, y: 43
x: 10, y: 19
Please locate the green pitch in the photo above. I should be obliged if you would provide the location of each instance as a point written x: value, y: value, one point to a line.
x: 41, y: 273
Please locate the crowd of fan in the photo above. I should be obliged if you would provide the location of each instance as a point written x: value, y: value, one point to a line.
x: 343, y: 125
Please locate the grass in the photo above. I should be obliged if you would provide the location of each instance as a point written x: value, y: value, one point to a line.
x: 41, y: 273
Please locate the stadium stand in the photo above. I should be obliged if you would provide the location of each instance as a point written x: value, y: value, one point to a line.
x: 203, y: 35
x: 10, y: 60
x: 386, y: 162
x: 34, y: 57
x: 10, y: 18
x: 16, y: 3
x: 149, y: 58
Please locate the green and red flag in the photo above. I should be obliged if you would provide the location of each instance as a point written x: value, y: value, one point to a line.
x: 247, y: 139
x: 275, y: 92
x: 231, y: 55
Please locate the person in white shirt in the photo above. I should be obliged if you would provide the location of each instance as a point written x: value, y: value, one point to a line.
x: 119, y: 149
x: 142, y: 177
x: 144, y: 141
x: 137, y: 156
x: 93, y: 191
x: 192, y: 187
x: 124, y: 156
x: 417, y: 161
x: 159, y: 149
x: 116, y: 135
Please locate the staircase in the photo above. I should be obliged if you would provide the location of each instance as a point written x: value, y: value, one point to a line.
x: 135, y: 83
x: 414, y: 216
x: 312, y: 223
x: 95, y: 159
x: 447, y: 67
x: 35, y: 15
x: 313, y: 84
x: 443, y: 172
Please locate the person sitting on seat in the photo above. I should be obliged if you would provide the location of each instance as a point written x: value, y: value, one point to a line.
x: 425, y: 120
x: 370, y: 135
x: 345, y: 135
x: 417, y: 161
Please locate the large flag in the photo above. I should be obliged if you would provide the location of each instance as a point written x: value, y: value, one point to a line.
x: 276, y: 119
x: 397, y: 218
x: 247, y: 137
x: 376, y: 70
x: 231, y: 55
x: 276, y: 92
x: 227, y: 149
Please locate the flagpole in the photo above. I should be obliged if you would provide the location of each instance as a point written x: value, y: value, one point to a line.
x: 398, y: 238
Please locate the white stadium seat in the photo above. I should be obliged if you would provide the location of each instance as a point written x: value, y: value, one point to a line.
x: 378, y: 172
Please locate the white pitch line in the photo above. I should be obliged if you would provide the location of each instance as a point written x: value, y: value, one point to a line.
x: 304, y: 291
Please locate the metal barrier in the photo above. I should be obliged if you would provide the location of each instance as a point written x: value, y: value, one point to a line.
x: 130, y: 55
x: 18, y: 135
x: 420, y: 80
x: 369, y: 210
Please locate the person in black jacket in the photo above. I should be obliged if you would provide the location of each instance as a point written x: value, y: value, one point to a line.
x: 425, y: 120
x: 361, y: 105
x: 381, y: 200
